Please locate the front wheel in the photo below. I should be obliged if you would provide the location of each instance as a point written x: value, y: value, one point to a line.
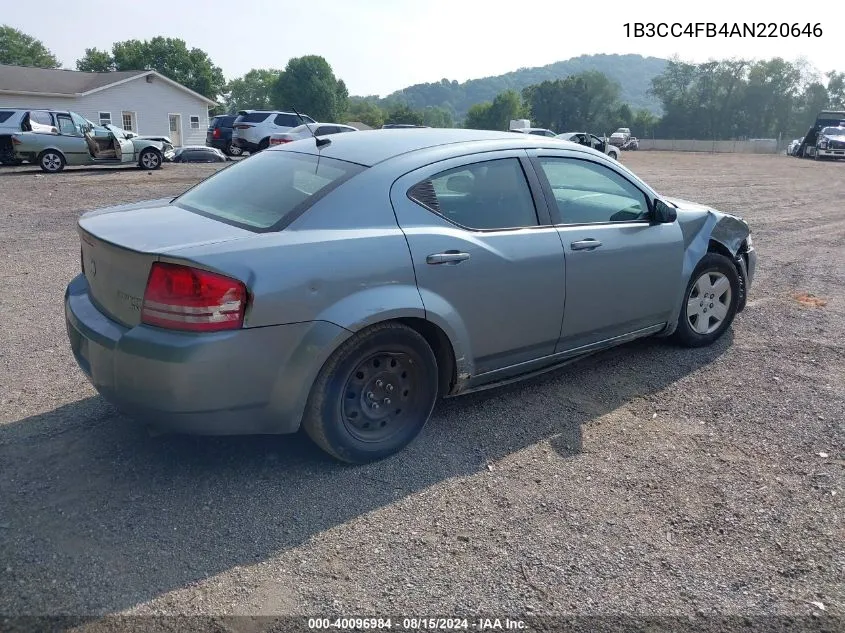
x: 149, y: 159
x: 51, y: 161
x: 374, y: 395
x: 710, y: 302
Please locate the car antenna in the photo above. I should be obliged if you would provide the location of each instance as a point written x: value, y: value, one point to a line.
x: 320, y: 141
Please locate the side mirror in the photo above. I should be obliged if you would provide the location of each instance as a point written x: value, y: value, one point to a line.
x: 663, y: 213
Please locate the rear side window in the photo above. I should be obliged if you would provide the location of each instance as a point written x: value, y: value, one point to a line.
x: 254, y: 117
x: 287, y: 120
x: 267, y: 191
x: 39, y: 116
x: 489, y: 195
x: 5, y: 114
x: 223, y: 121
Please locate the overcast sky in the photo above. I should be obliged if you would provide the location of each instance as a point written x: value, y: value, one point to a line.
x: 378, y: 46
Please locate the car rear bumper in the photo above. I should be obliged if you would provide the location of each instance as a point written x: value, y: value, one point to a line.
x: 249, y: 381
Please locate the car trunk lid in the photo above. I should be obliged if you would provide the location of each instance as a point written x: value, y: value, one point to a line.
x: 120, y: 244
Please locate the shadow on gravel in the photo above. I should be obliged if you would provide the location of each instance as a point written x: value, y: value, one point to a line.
x: 114, y: 517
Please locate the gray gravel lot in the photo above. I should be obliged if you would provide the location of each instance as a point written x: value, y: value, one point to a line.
x: 645, y: 480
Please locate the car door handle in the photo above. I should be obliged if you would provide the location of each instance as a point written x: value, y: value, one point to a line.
x: 585, y: 245
x: 447, y: 257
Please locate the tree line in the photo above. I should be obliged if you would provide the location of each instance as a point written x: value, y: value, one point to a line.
x: 713, y: 100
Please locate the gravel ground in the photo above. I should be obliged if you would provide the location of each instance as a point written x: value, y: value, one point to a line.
x: 645, y: 480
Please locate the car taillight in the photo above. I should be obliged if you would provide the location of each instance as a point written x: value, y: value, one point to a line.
x: 179, y: 297
x: 241, y: 126
x: 279, y: 141
x: 16, y: 140
x: 216, y: 133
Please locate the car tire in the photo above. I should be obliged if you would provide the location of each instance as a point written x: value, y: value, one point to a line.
x: 696, y: 325
x: 264, y: 144
x: 51, y: 161
x: 234, y: 150
x: 374, y: 394
x: 149, y: 159
x: 614, y: 155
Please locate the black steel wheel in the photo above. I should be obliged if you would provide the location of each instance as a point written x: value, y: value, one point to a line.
x: 374, y: 395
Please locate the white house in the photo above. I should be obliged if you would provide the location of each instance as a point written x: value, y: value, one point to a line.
x: 142, y: 101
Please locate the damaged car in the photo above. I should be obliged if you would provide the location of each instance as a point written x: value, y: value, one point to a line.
x: 474, y: 258
x: 73, y: 140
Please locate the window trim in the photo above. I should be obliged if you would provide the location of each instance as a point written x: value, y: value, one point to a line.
x: 536, y: 155
x: 58, y: 118
x: 101, y: 118
x: 191, y: 118
x: 541, y: 209
x: 133, y: 117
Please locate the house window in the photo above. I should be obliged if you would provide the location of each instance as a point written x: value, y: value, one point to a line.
x: 128, y: 121
x: 195, y: 123
x: 105, y: 118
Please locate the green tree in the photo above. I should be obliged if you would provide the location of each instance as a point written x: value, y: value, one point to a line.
x: 253, y: 91
x: 19, y: 49
x: 95, y: 61
x: 309, y: 85
x: 169, y: 56
x: 587, y: 101
x: 836, y: 89
x: 478, y: 116
x: 435, y: 116
x: 366, y: 112
x: 402, y: 113
x: 644, y: 123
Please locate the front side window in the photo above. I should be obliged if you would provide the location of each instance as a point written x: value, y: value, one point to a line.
x: 588, y: 193
x: 488, y: 195
x: 267, y: 190
x: 66, y: 125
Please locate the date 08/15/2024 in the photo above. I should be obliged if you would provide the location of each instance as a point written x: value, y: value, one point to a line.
x: 713, y: 29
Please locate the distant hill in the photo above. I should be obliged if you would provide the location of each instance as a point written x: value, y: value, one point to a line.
x: 633, y: 73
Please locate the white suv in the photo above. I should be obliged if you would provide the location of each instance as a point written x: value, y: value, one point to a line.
x: 251, y: 130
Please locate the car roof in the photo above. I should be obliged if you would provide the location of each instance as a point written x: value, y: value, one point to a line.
x: 377, y: 146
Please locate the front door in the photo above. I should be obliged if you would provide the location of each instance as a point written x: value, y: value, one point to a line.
x: 485, y: 261
x: 176, y: 129
x: 622, y: 271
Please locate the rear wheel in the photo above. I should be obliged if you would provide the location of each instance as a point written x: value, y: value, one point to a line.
x: 51, y: 161
x: 374, y: 395
x: 149, y: 159
x: 234, y: 150
x: 710, y: 302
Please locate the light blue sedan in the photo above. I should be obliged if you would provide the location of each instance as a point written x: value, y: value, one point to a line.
x: 344, y: 283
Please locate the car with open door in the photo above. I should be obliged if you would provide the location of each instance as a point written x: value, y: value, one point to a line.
x: 591, y: 140
x: 343, y: 284
x: 73, y: 140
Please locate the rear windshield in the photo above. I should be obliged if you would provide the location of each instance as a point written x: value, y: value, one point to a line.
x: 222, y: 121
x: 5, y: 114
x: 254, y: 117
x: 267, y: 191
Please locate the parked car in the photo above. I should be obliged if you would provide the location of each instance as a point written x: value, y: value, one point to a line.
x: 256, y: 302
x: 830, y: 143
x: 15, y: 120
x: 252, y: 129
x: 537, y: 131
x: 199, y: 154
x: 76, y: 141
x: 219, y: 134
x: 304, y: 131
x: 591, y: 140
x: 166, y: 144
x: 632, y: 144
x: 792, y: 150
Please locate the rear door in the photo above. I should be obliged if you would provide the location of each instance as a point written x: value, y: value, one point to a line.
x: 485, y: 255
x: 71, y: 142
x: 622, y: 271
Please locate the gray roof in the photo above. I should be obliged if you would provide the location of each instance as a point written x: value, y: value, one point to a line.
x: 380, y: 145
x: 50, y: 81
x: 57, y: 81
